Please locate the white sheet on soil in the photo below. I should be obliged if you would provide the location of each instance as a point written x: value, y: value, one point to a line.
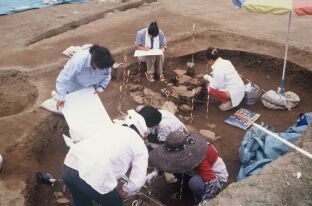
x: 85, y: 113
x: 151, y: 52
x: 50, y: 104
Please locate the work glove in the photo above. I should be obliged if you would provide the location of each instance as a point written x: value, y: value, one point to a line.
x: 207, y: 78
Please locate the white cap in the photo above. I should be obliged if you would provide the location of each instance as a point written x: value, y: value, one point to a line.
x: 137, y: 120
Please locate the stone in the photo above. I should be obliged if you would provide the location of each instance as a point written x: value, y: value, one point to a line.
x: 108, y: 14
x: 183, y: 92
x: 190, y: 128
x: 62, y: 200
x: 187, y: 119
x: 170, y: 106
x: 199, y: 76
x: 180, y: 89
x: 154, y: 98
x: 137, y: 97
x: 211, y: 126
x: 180, y: 71
x: 185, y: 108
x: 135, y: 87
x: 149, y: 92
x: 194, y: 81
x: 190, y: 65
x: 117, y: 65
x: 138, y: 108
x: 209, y: 135
x: 58, y: 195
x: 182, y: 79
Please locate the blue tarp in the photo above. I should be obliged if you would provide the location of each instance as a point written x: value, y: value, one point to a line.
x: 13, y: 6
x: 258, y: 148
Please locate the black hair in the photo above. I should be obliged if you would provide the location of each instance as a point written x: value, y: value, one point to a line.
x: 212, y: 54
x: 101, y: 57
x: 153, y: 29
x: 151, y: 116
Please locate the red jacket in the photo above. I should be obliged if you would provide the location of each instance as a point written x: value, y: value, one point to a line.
x: 204, y: 168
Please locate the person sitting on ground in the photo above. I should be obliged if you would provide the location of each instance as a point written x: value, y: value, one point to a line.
x: 183, y: 153
x: 225, y: 83
x: 160, y: 123
x: 93, y: 166
x: 91, y: 67
x: 152, y: 38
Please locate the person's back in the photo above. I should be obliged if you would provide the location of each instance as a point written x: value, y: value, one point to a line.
x: 169, y: 123
x: 225, y: 83
x: 93, y: 166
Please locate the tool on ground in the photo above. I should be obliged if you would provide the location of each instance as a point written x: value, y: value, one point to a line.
x: 46, y: 178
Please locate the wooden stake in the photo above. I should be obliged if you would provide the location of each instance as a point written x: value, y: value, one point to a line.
x: 193, y: 92
x: 171, y: 55
x: 181, y: 187
x: 126, y: 84
x: 193, y: 43
x: 139, y: 61
x: 120, y: 97
x: 145, y: 95
x: 207, y: 106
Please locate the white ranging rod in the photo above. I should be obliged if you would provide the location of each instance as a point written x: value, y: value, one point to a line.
x: 305, y: 153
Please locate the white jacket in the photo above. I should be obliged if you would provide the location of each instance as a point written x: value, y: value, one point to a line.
x: 102, y: 159
x: 226, y: 78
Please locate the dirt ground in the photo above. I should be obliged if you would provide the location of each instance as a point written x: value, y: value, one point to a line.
x: 32, y: 42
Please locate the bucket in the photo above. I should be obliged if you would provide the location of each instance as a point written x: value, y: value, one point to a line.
x: 252, y: 94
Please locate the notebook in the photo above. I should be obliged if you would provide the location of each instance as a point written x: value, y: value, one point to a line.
x: 239, y: 118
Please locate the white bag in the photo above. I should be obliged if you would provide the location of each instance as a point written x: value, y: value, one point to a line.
x: 273, y: 100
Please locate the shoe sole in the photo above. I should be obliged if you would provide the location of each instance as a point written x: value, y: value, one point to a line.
x: 225, y: 109
x: 151, y: 80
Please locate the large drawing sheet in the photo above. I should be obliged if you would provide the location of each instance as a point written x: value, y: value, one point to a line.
x: 85, y: 114
x: 151, y: 52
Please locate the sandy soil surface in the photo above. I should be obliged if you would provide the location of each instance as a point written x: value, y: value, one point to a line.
x: 32, y: 43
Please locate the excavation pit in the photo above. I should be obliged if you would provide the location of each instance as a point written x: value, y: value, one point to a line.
x: 17, y: 93
x: 265, y: 71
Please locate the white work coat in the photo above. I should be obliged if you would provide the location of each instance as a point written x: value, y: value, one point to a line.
x: 102, y: 159
x: 226, y: 78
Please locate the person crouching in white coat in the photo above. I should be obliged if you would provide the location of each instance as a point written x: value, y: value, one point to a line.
x: 224, y: 83
x: 93, y: 166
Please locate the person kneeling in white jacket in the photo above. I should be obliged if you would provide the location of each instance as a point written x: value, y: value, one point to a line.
x: 224, y: 83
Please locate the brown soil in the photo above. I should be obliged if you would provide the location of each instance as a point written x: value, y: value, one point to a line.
x: 16, y: 93
x: 31, y: 138
x: 257, y: 68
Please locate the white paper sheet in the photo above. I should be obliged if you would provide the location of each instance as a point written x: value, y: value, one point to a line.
x: 151, y: 52
x: 50, y: 105
x: 85, y: 114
